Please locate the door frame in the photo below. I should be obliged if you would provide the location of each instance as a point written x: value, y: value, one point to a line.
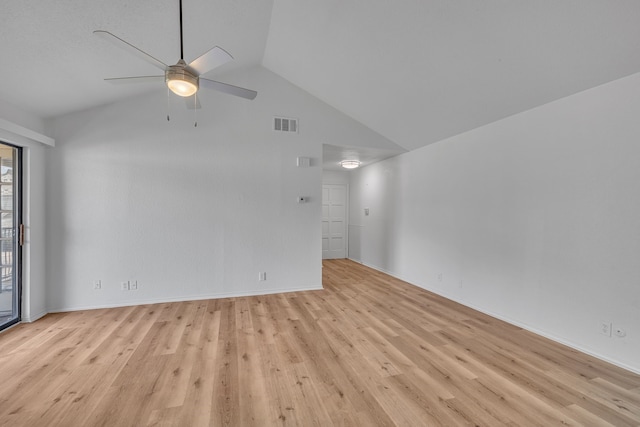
x: 18, y: 237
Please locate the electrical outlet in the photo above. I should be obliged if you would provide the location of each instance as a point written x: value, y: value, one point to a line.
x: 605, y: 328
x: 97, y: 284
x: 262, y: 276
x: 619, y: 332
x: 133, y: 285
x: 439, y: 277
x: 124, y: 286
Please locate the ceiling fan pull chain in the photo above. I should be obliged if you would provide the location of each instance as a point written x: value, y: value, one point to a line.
x: 167, y: 104
x: 195, y: 110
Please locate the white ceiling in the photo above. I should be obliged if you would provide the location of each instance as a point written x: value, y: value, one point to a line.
x: 415, y: 71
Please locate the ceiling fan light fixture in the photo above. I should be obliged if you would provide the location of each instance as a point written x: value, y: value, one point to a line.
x: 350, y: 164
x: 180, y: 81
x: 182, y: 87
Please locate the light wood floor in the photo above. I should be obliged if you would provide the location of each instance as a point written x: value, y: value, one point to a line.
x: 369, y: 350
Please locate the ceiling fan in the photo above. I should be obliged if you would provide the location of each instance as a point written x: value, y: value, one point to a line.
x: 182, y: 79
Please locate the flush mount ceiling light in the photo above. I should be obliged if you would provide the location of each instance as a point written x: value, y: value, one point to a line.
x: 350, y: 164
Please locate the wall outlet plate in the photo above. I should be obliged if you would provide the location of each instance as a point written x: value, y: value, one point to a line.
x: 303, y: 162
x: 605, y: 328
x: 124, y: 286
x: 619, y: 332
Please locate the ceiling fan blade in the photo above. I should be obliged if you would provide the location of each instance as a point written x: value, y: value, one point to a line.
x: 227, y: 88
x: 209, y: 60
x: 138, y: 79
x: 192, y: 102
x: 117, y: 41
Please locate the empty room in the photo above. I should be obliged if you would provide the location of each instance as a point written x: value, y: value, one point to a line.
x: 297, y: 213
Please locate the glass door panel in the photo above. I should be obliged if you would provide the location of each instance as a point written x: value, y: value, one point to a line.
x: 9, y: 237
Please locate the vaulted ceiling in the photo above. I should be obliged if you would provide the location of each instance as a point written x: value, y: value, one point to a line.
x: 415, y: 71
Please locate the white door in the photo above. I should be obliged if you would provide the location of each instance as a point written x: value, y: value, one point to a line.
x: 334, y: 221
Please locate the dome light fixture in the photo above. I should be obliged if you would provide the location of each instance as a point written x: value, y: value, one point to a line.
x: 180, y: 80
x: 350, y: 164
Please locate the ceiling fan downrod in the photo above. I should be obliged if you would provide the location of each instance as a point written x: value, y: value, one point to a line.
x: 181, y: 44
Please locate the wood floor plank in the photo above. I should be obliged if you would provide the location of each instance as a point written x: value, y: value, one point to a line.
x: 196, y: 410
x: 251, y: 380
x: 177, y: 375
x: 39, y: 366
x: 367, y: 350
x: 226, y: 395
x: 307, y: 402
x: 18, y: 337
x: 336, y: 375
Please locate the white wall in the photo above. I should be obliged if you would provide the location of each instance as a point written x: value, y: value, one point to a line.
x: 188, y: 212
x: 335, y: 177
x: 534, y: 219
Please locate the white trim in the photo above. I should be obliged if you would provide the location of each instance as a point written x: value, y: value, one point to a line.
x: 26, y: 133
x: 556, y: 339
x: 185, y: 298
x: 514, y: 322
x: 31, y: 319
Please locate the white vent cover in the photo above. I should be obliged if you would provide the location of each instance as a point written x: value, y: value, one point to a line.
x: 285, y: 124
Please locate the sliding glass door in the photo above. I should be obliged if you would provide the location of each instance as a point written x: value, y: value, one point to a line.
x: 11, y: 235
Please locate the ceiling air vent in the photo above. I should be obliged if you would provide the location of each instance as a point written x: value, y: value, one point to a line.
x: 285, y: 124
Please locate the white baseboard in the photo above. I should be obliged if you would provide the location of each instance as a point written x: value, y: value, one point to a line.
x: 513, y: 322
x: 182, y: 299
x: 33, y: 318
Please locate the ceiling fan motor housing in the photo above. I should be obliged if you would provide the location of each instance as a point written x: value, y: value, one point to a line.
x: 180, y: 80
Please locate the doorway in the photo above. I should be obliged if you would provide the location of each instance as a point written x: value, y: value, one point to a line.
x: 11, y: 235
x: 334, y: 221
